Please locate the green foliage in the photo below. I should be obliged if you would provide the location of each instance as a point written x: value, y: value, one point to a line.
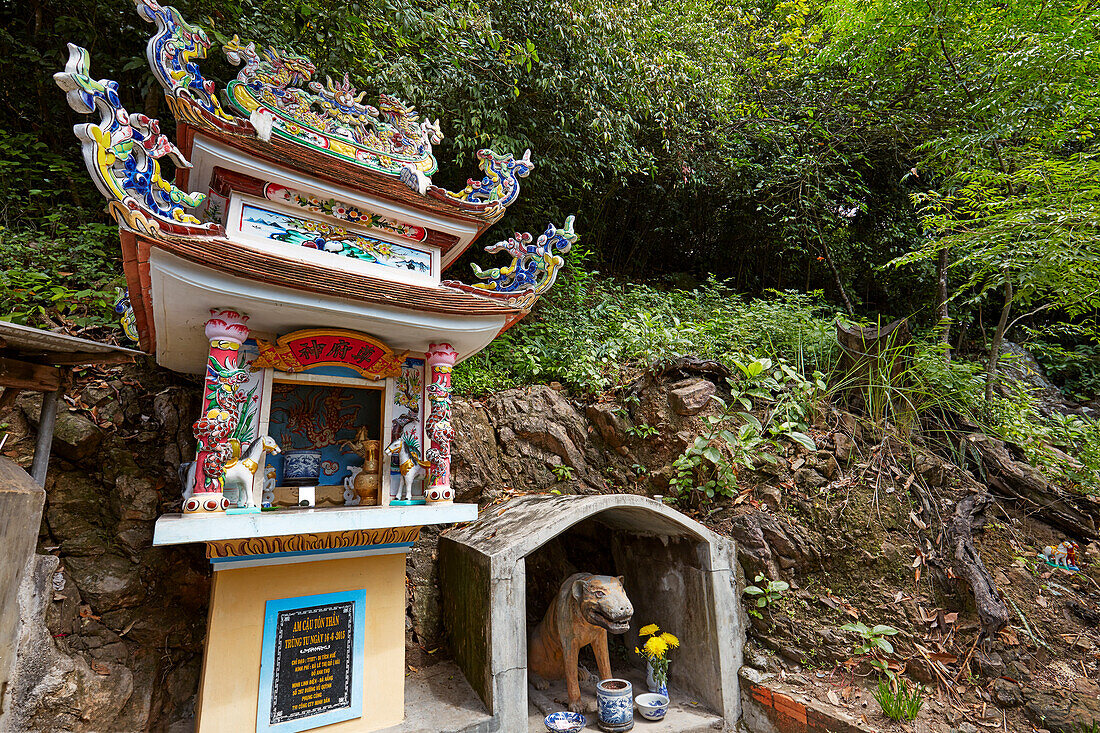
x: 766, y: 593
x: 938, y: 386
x: 872, y: 640
x: 901, y: 705
x: 708, y: 467
x: 562, y: 472
x: 59, y: 273
x: 736, y: 438
x: 1076, y: 369
x: 789, y: 393
x: 600, y: 336
x: 1008, y: 166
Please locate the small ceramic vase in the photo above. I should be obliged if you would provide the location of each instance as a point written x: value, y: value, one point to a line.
x: 615, y: 699
x: 661, y: 688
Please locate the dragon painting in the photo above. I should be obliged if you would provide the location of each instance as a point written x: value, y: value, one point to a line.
x: 317, y: 415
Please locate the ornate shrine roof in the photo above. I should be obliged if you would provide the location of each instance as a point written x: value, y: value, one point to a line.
x: 280, y: 151
x: 230, y: 258
x: 277, y: 119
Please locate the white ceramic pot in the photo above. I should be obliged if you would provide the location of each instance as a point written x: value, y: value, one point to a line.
x: 615, y: 699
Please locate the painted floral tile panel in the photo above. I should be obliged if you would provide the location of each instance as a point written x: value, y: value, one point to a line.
x: 297, y: 231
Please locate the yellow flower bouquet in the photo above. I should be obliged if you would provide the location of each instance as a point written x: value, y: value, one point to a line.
x: 655, y: 649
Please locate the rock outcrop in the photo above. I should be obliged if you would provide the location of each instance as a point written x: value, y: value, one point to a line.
x: 112, y: 629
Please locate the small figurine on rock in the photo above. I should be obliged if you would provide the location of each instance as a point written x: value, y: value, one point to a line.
x: 1062, y: 556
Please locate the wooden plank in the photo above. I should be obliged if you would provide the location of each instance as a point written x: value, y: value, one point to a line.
x: 78, y: 358
x: 24, y: 375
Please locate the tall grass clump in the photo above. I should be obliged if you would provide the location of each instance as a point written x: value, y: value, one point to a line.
x: 902, y: 705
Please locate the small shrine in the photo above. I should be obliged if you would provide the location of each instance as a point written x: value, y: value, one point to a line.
x: 298, y: 262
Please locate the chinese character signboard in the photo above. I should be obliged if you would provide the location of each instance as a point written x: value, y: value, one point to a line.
x: 302, y: 350
x: 312, y: 662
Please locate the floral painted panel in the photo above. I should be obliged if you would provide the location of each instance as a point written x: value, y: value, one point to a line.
x: 346, y: 212
x: 301, y: 232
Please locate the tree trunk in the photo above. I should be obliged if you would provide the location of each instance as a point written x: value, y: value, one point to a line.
x: 873, y: 362
x: 998, y: 338
x: 836, y: 274
x: 941, y: 298
x: 958, y: 549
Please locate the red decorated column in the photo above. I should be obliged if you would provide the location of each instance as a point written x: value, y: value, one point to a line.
x: 222, y: 398
x: 440, y: 359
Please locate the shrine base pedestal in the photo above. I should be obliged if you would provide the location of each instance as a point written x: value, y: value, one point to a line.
x: 238, y: 668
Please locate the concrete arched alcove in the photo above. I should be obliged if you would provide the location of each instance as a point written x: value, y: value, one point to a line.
x: 677, y: 573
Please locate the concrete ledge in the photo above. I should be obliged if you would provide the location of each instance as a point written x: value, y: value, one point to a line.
x: 178, y: 529
x: 438, y: 700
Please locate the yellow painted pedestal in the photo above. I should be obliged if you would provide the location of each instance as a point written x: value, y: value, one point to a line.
x: 229, y: 689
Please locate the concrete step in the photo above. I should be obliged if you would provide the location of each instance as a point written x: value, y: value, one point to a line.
x: 683, y: 715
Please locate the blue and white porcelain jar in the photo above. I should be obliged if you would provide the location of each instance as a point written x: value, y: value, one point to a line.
x: 615, y: 699
x: 301, y: 467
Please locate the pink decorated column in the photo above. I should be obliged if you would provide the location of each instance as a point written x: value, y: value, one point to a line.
x: 226, y: 331
x: 440, y: 359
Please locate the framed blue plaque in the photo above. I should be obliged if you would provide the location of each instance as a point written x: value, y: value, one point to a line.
x: 311, y: 661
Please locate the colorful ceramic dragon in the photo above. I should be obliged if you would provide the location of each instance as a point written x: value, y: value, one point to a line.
x: 213, y: 431
x: 440, y: 431
x: 500, y: 186
x: 533, y: 269
x: 342, y: 103
x: 400, y: 131
x: 334, y: 113
x: 122, y: 151
x: 272, y: 78
x: 173, y: 53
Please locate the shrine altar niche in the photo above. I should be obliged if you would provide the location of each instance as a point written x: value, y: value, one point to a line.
x: 297, y: 263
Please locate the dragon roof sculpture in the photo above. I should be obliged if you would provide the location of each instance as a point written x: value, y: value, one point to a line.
x: 122, y: 155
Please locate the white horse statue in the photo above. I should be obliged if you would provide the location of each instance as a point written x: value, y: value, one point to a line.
x: 239, y: 472
x: 410, y: 461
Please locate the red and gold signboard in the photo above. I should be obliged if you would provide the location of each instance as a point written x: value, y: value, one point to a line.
x: 314, y: 347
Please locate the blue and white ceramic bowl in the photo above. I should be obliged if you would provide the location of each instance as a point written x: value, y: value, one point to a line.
x: 564, y: 722
x: 301, y: 467
x: 652, y: 706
